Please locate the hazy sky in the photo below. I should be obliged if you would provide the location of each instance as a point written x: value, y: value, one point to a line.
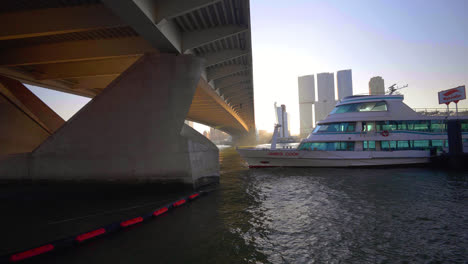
x: 420, y: 43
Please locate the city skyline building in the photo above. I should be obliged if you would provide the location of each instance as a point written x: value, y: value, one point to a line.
x: 282, y: 118
x: 325, y: 95
x: 306, y: 86
x: 376, y: 86
x: 344, y: 79
x: 312, y: 109
x: 306, y: 119
x: 321, y: 110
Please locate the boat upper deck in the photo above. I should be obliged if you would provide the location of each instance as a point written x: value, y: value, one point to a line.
x: 368, y: 98
x: 376, y: 108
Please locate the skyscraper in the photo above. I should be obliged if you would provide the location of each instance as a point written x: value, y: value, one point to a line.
x: 326, y: 95
x: 345, y: 83
x: 282, y: 119
x: 376, y: 86
x: 306, y: 86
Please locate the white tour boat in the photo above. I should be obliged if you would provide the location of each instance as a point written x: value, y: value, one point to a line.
x: 363, y: 131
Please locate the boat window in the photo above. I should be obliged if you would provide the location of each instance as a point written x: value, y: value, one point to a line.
x: 360, y: 107
x: 348, y: 146
x: 302, y: 146
x: 344, y: 109
x: 367, y: 107
x: 369, y: 145
x: 328, y: 146
x: 410, y: 144
x: 313, y: 146
x: 336, y: 127
x: 403, y: 145
x: 368, y: 126
x: 414, y: 125
x: 379, y: 106
x: 421, y: 144
x: 464, y: 125
x: 387, y: 125
x: 438, y: 143
x: 384, y: 145
x: 419, y: 125
x: 388, y: 145
x: 401, y: 125
x: 438, y: 126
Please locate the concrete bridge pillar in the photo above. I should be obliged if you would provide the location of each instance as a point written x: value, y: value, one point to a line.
x: 133, y: 131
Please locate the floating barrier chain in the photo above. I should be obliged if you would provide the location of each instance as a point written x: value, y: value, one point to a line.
x: 78, y: 239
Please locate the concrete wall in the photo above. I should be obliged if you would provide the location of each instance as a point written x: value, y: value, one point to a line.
x: 204, y: 157
x: 133, y: 131
x: 15, y: 166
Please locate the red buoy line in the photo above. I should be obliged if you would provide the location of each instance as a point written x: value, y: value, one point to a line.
x: 99, y: 232
x: 90, y: 234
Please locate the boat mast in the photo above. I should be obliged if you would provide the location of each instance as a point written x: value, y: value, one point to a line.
x: 275, y: 136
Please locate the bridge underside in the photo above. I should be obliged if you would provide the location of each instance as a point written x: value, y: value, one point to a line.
x: 208, y: 108
x: 148, y: 65
x: 133, y: 131
x: 81, y: 46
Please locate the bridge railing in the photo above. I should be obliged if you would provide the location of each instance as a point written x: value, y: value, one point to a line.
x: 441, y: 111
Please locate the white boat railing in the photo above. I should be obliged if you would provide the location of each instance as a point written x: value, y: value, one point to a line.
x: 441, y: 111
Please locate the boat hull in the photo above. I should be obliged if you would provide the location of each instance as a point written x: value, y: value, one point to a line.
x: 260, y: 158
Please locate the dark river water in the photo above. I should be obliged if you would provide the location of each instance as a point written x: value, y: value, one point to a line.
x: 308, y: 215
x: 302, y: 215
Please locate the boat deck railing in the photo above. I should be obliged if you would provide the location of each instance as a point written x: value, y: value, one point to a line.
x: 441, y: 111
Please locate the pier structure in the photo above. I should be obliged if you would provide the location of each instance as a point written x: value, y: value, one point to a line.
x: 149, y: 65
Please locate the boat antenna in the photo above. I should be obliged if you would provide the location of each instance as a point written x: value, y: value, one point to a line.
x: 393, y: 89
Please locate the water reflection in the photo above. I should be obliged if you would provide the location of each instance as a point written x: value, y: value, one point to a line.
x: 328, y: 215
x: 300, y: 220
x: 301, y: 215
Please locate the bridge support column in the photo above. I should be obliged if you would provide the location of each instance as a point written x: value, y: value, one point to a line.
x: 133, y: 131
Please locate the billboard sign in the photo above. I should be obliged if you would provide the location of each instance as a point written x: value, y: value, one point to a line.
x: 452, y: 95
